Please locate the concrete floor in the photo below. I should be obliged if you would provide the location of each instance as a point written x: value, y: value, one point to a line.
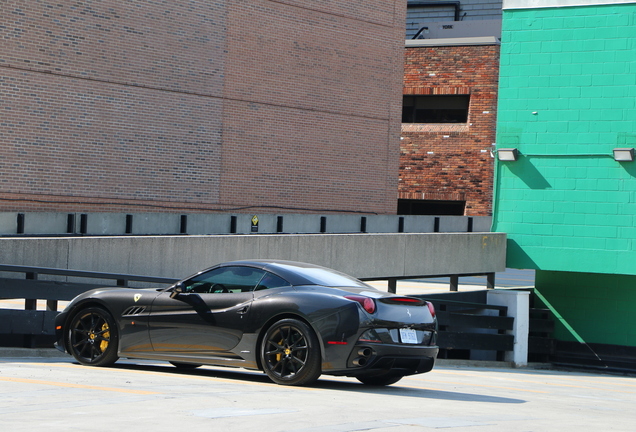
x: 55, y: 394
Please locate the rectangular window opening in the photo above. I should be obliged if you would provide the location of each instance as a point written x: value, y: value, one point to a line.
x: 435, y: 108
x: 431, y: 207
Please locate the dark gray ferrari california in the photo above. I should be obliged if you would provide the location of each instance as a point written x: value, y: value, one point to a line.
x: 294, y: 321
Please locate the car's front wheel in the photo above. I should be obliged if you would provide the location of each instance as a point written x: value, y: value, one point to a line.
x: 290, y: 353
x: 93, y: 337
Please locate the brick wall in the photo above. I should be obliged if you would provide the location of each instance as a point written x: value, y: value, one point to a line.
x: 451, y: 161
x: 199, y: 106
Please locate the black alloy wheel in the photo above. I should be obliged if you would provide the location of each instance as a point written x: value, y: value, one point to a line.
x: 290, y: 353
x: 93, y: 338
x: 379, y: 380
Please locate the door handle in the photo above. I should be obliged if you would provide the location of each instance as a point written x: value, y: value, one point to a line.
x: 243, y: 310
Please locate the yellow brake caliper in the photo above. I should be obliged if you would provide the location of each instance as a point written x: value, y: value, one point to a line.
x: 279, y: 355
x: 106, y: 335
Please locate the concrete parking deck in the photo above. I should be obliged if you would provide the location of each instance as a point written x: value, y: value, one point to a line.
x: 59, y: 395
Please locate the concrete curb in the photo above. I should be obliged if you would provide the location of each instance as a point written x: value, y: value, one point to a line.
x: 489, y: 364
x: 10, y: 352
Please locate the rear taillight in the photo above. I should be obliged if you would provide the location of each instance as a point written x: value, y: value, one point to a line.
x: 431, y: 308
x: 367, y: 303
x: 403, y: 301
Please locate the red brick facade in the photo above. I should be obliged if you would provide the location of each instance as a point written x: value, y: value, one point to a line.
x: 451, y: 162
x: 200, y: 106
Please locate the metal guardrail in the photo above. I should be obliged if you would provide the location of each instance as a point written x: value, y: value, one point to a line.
x: 453, y: 280
x: 468, y: 324
x: 122, y: 279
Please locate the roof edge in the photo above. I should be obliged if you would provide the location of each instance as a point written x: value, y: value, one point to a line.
x: 537, y: 4
x: 482, y: 40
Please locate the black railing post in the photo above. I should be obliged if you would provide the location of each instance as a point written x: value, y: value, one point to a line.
x: 30, y: 305
x: 393, y: 285
x: 183, y: 224
x: 70, y: 223
x: 454, y: 283
x: 323, y: 224
x: 490, y: 280
x: 83, y: 223
x: 20, y: 223
x: 129, y: 224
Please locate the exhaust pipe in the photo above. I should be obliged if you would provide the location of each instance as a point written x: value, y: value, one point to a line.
x: 364, y: 352
x: 360, y: 361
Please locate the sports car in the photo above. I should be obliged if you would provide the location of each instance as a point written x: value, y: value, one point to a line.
x: 294, y: 321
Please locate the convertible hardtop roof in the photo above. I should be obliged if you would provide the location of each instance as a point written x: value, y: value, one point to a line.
x: 300, y: 273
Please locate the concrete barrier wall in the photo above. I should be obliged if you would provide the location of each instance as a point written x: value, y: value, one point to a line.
x: 361, y: 255
x: 225, y: 223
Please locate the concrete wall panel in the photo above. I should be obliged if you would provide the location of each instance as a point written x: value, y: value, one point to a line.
x: 46, y: 223
x: 482, y: 223
x: 453, y: 224
x: 361, y: 255
x: 8, y: 223
x: 414, y: 224
x: 382, y: 224
x: 453, y: 253
x: 104, y: 223
x: 199, y: 223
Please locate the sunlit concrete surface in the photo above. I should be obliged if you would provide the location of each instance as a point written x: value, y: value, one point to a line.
x: 59, y: 395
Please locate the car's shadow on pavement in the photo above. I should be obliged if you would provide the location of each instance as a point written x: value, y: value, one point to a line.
x: 404, y: 389
x: 336, y: 384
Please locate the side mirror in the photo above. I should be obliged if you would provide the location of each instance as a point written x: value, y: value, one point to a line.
x: 176, y: 290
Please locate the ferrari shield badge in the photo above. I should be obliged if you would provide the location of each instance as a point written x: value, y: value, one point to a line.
x: 137, y: 297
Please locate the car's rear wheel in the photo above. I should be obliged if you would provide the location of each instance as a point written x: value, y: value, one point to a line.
x: 379, y: 380
x: 290, y: 353
x: 93, y: 337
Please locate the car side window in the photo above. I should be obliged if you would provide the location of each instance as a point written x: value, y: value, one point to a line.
x: 270, y: 280
x: 232, y: 279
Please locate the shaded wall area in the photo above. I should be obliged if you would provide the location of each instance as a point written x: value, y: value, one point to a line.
x: 602, y: 302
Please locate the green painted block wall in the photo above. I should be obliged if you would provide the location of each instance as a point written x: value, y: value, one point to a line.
x: 567, y: 98
x: 601, y: 311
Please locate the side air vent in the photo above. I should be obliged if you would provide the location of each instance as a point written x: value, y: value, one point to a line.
x: 134, y: 310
